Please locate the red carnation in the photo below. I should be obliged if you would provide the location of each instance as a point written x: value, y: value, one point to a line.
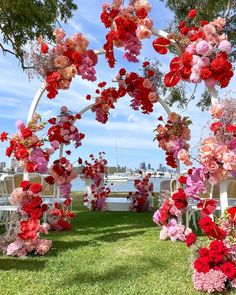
x: 228, y: 268
x: 161, y: 45
x: 192, y: 13
x: 26, y: 132
x: 182, y: 179
x: 180, y: 199
x: 191, y: 238
x: 25, y: 185
x: 36, y: 188
x: 122, y: 71
x: 201, y: 264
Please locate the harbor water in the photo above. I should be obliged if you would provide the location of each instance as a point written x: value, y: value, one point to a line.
x: 126, y: 186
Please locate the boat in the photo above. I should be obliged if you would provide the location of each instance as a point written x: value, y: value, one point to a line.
x: 116, y: 178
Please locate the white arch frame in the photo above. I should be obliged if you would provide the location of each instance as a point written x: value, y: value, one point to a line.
x: 214, y: 98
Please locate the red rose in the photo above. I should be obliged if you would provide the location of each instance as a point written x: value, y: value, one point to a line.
x: 145, y: 64
x: 141, y: 13
x: 203, y: 22
x: 191, y: 238
x: 30, y: 167
x: 44, y: 207
x: 204, y: 252
x: 67, y: 202
x: 184, y: 30
x: 36, y: 188
x: 180, y: 199
x: 21, y: 153
x: 205, y: 73
x: 26, y: 132
x: 216, y: 126
x: 210, y: 228
x: 25, y: 185
x: 201, y: 264
x: 182, y: 179
x: 186, y: 58
x: 228, y: 268
x: 50, y: 180
x: 36, y: 214
x: 231, y: 128
x: 44, y: 48
x: 181, y: 24
x: 3, y: 136
x: 192, y: 13
x: 232, y: 212
x: 217, y: 251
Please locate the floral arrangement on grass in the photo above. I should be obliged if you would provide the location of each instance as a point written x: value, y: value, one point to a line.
x: 96, y: 172
x: 173, y: 137
x: 169, y: 214
x: 204, y: 53
x: 59, y: 217
x: 61, y: 63
x: 63, y: 130
x: 215, y: 265
x: 128, y: 25
x: 142, y: 199
x: 26, y: 146
x: 31, y: 210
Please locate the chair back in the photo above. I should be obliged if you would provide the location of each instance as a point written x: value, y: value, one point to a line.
x: 18, y: 178
x: 8, y: 184
x: 231, y: 188
x: 165, y: 185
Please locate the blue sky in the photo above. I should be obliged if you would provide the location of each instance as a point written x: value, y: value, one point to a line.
x: 131, y: 130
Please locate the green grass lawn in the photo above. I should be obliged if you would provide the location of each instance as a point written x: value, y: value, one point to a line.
x: 111, y: 253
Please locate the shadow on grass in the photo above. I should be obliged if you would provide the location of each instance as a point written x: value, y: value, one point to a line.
x: 114, y: 237
x: 18, y: 264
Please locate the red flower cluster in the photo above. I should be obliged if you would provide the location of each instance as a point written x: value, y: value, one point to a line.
x: 215, y: 257
x: 63, y: 130
x: 180, y: 199
x: 127, y: 27
x: 210, y: 228
x: 59, y: 217
x: 32, y: 208
x: 204, y: 54
x: 105, y: 101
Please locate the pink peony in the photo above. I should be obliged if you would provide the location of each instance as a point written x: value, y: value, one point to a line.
x: 164, y: 233
x: 225, y: 46
x: 202, y: 47
x: 42, y: 246
x: 17, y: 196
x: 156, y: 217
x: 17, y: 248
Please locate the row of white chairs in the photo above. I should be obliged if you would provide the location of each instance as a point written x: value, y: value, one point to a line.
x: 9, y: 182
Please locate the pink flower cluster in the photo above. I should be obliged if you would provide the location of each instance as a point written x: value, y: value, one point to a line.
x: 25, y: 146
x: 174, y: 231
x: 96, y: 171
x: 144, y: 191
x: 63, y: 130
x: 218, y: 151
x: 173, y: 138
x: 128, y: 25
x: 60, y: 64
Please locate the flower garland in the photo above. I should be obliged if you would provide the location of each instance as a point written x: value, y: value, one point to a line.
x: 173, y: 138
x: 60, y: 64
x: 96, y: 171
x: 141, y: 89
x: 204, y: 53
x: 63, y: 130
x: 215, y: 265
x: 26, y: 146
x: 128, y: 25
x: 31, y: 209
x: 140, y: 199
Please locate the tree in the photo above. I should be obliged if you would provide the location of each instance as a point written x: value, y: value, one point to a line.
x: 23, y: 21
x: 207, y: 10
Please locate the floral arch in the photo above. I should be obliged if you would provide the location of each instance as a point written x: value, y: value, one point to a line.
x: 203, y: 57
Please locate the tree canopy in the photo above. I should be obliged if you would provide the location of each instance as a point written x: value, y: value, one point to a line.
x: 23, y: 21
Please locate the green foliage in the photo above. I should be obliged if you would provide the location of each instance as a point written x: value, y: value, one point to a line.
x: 25, y: 20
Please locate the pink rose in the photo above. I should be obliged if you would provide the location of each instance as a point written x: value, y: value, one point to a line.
x: 225, y: 46
x: 59, y: 34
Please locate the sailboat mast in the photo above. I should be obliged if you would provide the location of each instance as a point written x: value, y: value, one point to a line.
x: 116, y: 158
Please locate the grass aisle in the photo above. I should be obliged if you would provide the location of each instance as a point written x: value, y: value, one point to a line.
x: 106, y: 253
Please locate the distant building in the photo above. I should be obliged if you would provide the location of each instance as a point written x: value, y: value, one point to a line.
x: 2, y: 166
x: 14, y: 164
x: 143, y: 166
x: 149, y: 166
